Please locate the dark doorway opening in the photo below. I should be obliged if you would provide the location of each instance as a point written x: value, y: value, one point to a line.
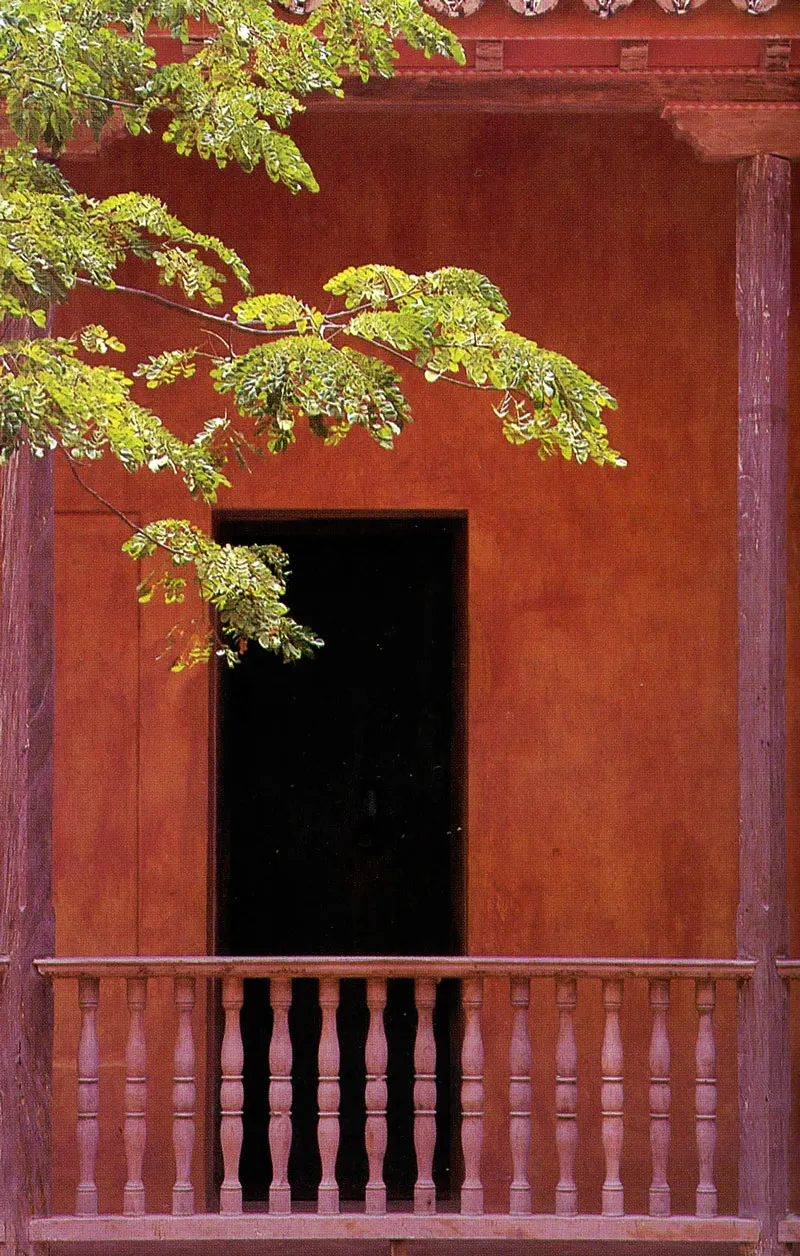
x: 340, y: 815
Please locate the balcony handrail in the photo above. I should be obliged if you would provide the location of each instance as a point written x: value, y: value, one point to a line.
x: 788, y: 968
x: 439, y: 966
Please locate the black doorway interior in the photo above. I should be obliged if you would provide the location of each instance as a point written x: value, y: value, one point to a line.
x: 340, y: 814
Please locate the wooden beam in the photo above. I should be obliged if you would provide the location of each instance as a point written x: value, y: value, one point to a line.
x: 562, y: 89
x: 26, y: 776
x: 727, y: 130
x: 762, y: 304
x: 457, y: 967
x: 213, y: 1230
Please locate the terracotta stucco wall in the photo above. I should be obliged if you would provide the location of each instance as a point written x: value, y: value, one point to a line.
x: 601, y: 704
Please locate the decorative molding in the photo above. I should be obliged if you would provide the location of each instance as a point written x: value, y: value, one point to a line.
x: 634, y: 55
x: 776, y: 54
x: 606, y: 8
x: 726, y: 131
x: 532, y: 8
x: 679, y: 7
x: 535, y: 8
x: 454, y: 8
x: 755, y: 7
x: 489, y: 55
x: 606, y: 90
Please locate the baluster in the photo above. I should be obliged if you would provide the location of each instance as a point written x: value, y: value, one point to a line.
x: 566, y: 1096
x: 705, y: 1099
x: 88, y: 1097
x: 183, y: 1099
x: 519, y: 1097
x: 135, y: 1097
x: 425, y: 1096
x: 231, y: 1096
x: 375, y: 1095
x: 472, y: 1097
x: 328, y: 1096
x: 280, y: 1095
x: 660, y: 1097
x: 611, y: 1095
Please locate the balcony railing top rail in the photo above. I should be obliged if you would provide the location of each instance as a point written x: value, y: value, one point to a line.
x: 441, y: 966
x: 788, y: 968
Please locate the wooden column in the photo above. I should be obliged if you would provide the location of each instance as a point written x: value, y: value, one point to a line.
x: 26, y: 775
x: 762, y: 304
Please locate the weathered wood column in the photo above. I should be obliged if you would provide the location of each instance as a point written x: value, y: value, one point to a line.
x: 26, y: 772
x: 762, y: 307
x: 761, y: 137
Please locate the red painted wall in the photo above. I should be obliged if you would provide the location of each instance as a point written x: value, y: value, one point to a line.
x: 602, y: 807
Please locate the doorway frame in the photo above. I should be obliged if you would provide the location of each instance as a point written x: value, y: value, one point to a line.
x: 459, y: 765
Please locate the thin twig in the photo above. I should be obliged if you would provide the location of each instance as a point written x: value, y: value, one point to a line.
x: 134, y: 527
x: 390, y: 297
x: 105, y: 100
x: 189, y: 309
x: 446, y: 378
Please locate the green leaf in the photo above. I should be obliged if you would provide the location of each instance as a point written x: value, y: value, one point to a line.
x: 164, y: 368
x: 272, y: 309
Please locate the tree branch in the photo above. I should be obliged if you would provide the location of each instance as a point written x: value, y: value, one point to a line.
x: 190, y: 309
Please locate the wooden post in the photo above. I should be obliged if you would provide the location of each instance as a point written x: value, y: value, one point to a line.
x: 231, y: 1095
x: 660, y: 1096
x: 376, y: 1095
x: 472, y: 1097
x: 519, y: 1097
x: 425, y: 1095
x: 184, y: 1097
x: 88, y: 1132
x: 135, y: 1128
x: 612, y: 1098
x: 328, y: 1097
x: 280, y: 1095
x: 26, y: 783
x: 705, y: 1099
x: 566, y: 1096
x: 762, y: 304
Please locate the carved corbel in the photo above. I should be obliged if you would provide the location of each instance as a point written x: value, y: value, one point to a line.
x: 728, y: 130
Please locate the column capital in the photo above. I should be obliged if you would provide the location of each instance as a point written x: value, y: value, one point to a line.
x: 729, y: 130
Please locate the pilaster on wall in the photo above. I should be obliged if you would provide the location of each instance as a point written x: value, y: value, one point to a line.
x: 762, y: 138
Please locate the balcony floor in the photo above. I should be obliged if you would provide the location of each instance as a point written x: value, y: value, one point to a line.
x: 401, y: 1234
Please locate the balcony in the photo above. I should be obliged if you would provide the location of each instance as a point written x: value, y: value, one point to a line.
x: 540, y: 1064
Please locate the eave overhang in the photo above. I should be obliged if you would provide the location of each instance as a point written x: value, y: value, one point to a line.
x: 642, y: 56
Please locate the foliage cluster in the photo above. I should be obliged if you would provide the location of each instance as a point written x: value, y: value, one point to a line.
x: 65, y: 63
